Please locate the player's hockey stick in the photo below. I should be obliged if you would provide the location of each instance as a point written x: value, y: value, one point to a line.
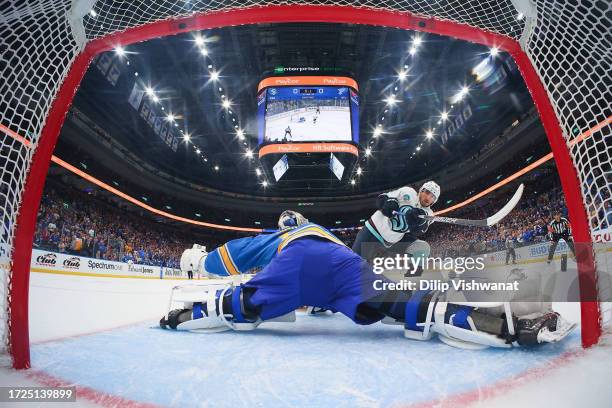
x: 487, y: 222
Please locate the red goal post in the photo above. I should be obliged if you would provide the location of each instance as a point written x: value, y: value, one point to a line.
x: 47, y: 47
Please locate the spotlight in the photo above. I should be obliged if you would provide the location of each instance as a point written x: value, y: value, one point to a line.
x: 120, y: 51
x: 249, y: 153
x: 391, y: 100
x: 368, y: 151
x: 377, y: 131
x: 353, y: 182
x: 214, y: 76
x: 204, y: 51
x: 199, y: 40
x: 494, y: 51
x: 359, y: 171
x: 240, y: 134
x: 227, y: 104
x: 186, y: 137
x: 429, y: 134
x: 264, y: 183
x: 170, y: 117
x: 412, y: 50
x: 258, y: 172
x: 416, y: 41
x: 402, y: 75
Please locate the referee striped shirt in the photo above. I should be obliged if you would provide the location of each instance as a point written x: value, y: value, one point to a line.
x: 560, y: 227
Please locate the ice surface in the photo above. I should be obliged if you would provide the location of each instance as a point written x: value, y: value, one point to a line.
x: 330, y: 126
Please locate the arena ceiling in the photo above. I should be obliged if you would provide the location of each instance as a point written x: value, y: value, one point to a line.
x: 183, y: 79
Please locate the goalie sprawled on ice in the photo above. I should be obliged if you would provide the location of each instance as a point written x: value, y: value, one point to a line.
x: 305, y: 264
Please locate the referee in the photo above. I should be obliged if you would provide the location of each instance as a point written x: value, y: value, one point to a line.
x: 559, y: 228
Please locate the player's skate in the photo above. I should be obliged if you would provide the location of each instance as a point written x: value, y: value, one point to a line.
x: 209, y: 308
x: 544, y: 328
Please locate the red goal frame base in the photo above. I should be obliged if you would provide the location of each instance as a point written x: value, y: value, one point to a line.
x: 24, y: 232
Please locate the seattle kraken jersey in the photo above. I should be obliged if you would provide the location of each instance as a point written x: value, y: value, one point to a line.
x: 250, y: 254
x: 387, y: 230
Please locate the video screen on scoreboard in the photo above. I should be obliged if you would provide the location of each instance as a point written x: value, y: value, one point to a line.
x: 308, y: 114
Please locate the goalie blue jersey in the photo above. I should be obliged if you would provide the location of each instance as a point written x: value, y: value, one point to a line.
x: 250, y: 254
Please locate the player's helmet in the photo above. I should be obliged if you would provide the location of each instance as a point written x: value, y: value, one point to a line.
x: 290, y: 219
x: 433, y: 188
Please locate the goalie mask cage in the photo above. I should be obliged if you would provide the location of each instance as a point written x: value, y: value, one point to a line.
x: 562, y: 48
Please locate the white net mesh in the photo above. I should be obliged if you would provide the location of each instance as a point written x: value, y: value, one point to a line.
x: 569, y: 44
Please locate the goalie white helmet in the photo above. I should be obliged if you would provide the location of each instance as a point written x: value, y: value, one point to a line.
x: 290, y: 219
x: 433, y: 188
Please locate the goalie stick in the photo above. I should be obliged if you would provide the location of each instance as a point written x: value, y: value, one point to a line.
x: 487, y: 222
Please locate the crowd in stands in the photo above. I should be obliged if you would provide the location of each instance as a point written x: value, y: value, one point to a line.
x: 527, y: 224
x: 76, y: 223
x: 79, y: 223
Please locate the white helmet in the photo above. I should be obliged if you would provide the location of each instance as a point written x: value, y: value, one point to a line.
x: 433, y: 188
x: 289, y: 219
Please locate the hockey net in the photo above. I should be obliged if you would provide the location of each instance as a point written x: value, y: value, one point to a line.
x: 47, y: 45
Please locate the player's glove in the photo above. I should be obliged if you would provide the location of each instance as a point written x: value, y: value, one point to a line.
x: 408, y: 219
x: 387, y: 205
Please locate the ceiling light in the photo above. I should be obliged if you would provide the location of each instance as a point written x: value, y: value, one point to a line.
x: 216, y: 168
x: 520, y: 16
x: 494, y: 51
x: 170, y: 117
x: 199, y: 40
x: 377, y: 131
x: 444, y: 115
x: 240, y: 134
x: 119, y: 51
x: 359, y: 171
x: 391, y: 100
x: 416, y: 41
x: 198, y: 151
x: 249, y: 153
x: 368, y: 151
x: 93, y: 13
x: 402, y: 75
x: 412, y: 50
x: 429, y: 134
x: 149, y: 91
x: 204, y: 51
x: 186, y: 137
x: 214, y: 76
x: 264, y: 183
x: 258, y: 172
x: 226, y: 103
x: 353, y: 182
x: 418, y: 148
